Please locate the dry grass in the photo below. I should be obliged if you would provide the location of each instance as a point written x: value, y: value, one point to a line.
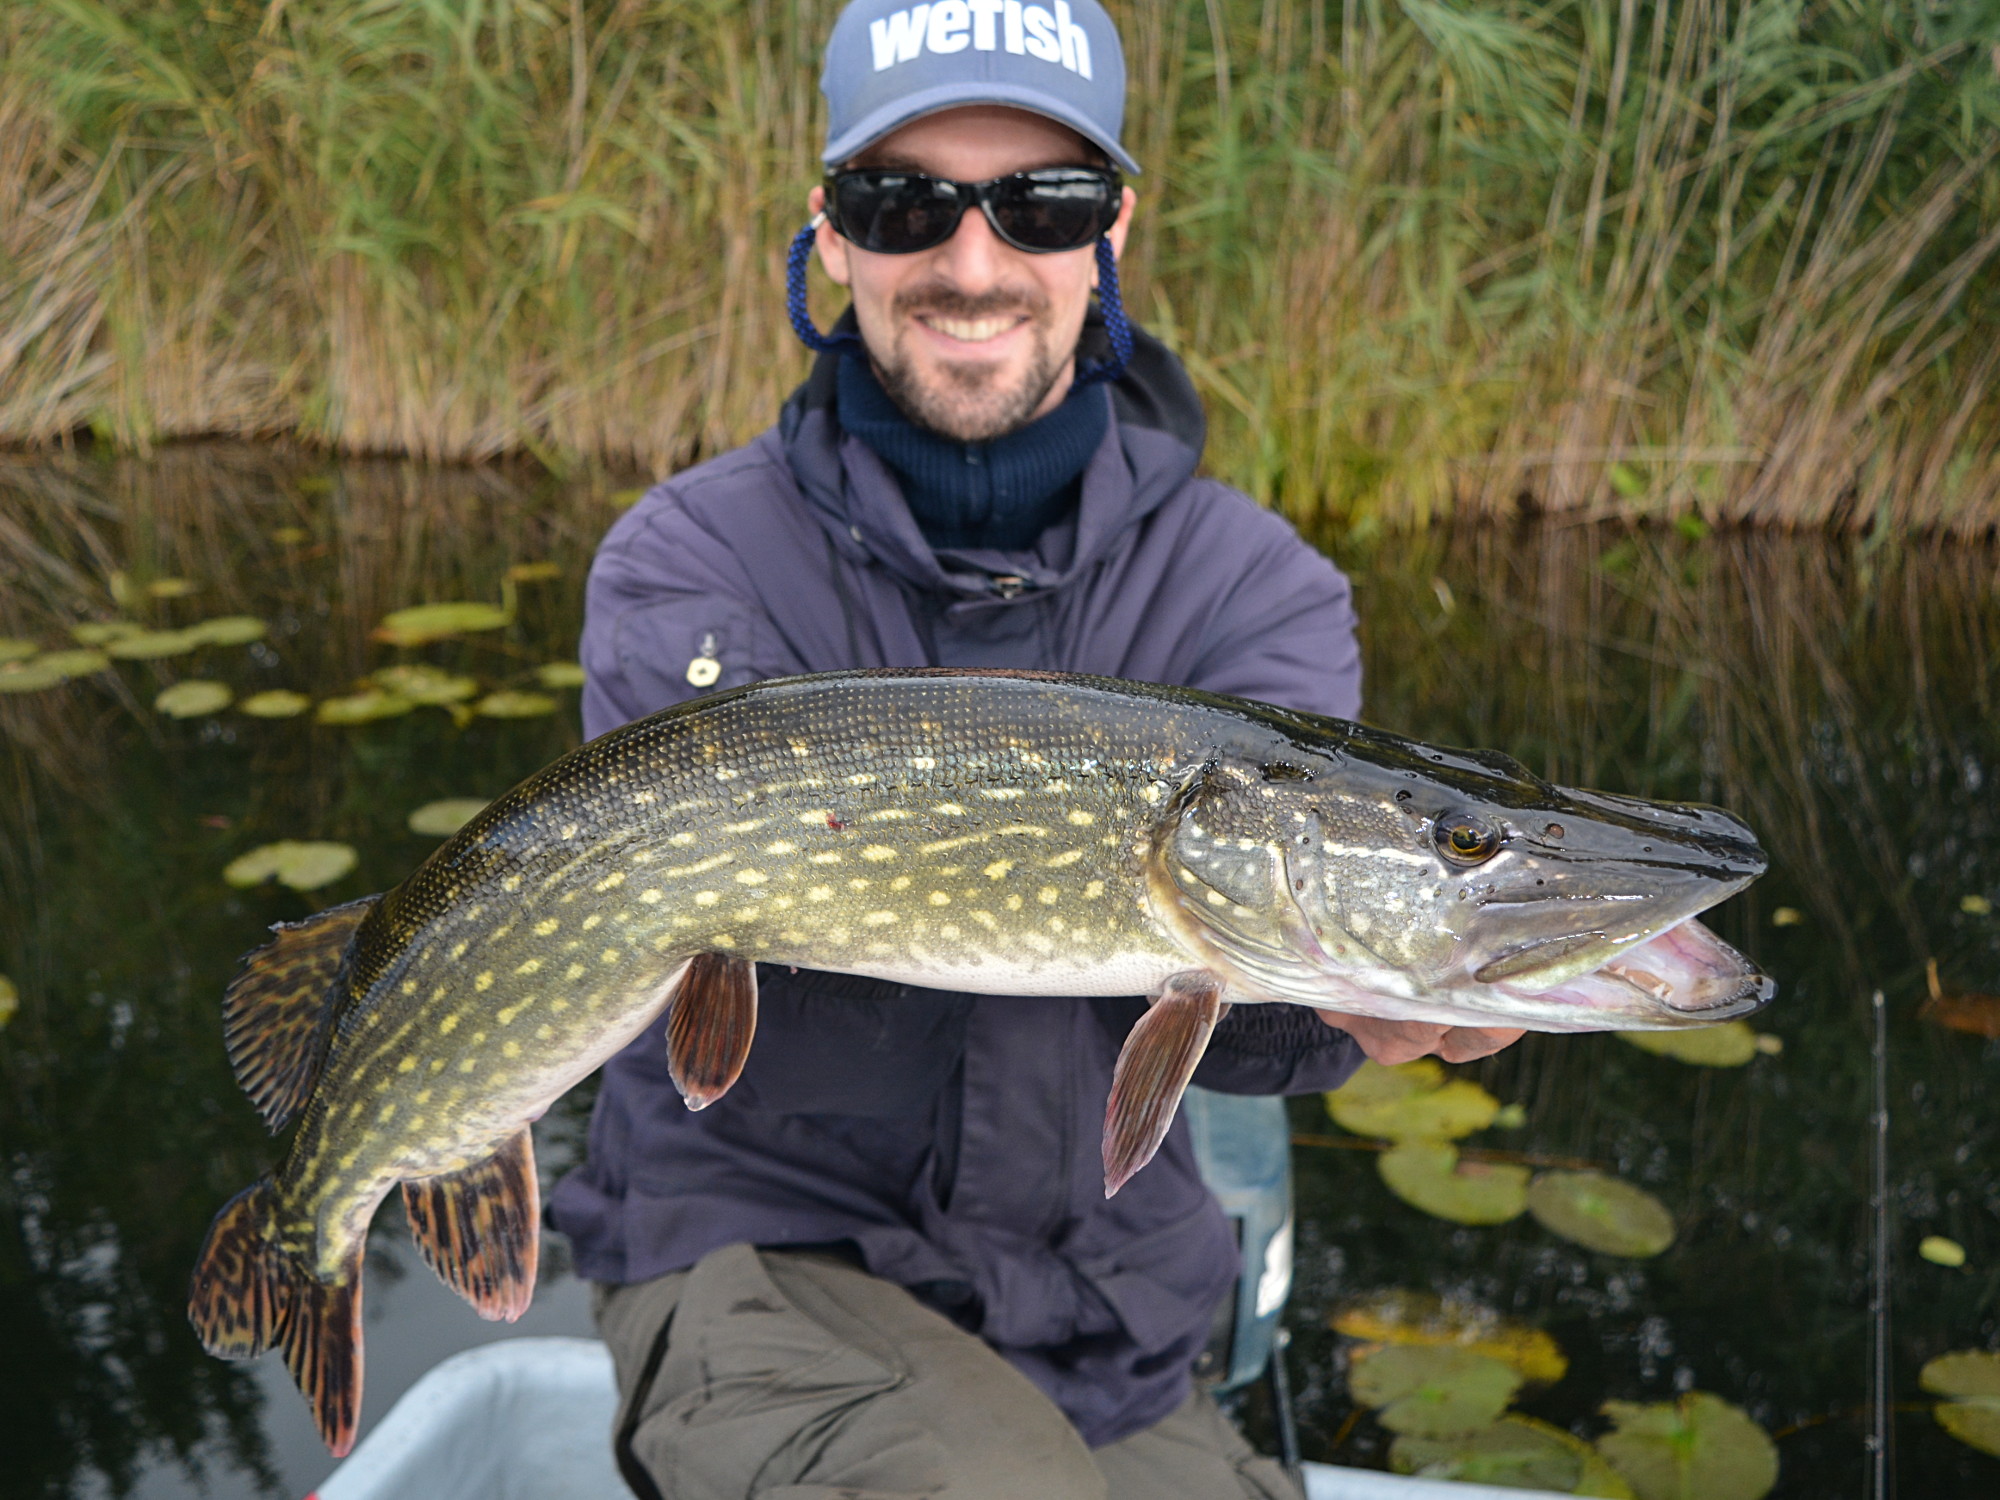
x: 1583, y: 255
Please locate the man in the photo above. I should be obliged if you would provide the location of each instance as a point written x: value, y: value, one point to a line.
x: 882, y: 1265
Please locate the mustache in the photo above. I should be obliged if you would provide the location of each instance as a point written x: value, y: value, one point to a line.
x: 950, y: 302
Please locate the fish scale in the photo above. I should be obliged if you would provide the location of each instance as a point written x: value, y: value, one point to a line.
x: 1005, y: 833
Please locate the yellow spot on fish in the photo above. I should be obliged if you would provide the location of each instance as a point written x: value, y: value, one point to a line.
x: 816, y: 818
x: 1092, y: 891
x: 859, y: 884
x: 948, y: 931
x: 890, y: 815
x: 458, y: 950
x: 1056, y: 785
x: 1013, y: 903
x: 484, y: 982
x: 511, y: 883
x: 877, y: 853
x: 1000, y: 793
x: 820, y: 893
x: 510, y: 1048
x: 570, y: 831
x: 615, y: 878
x: 878, y: 919
x: 706, y: 898
x: 437, y: 1065
x: 1082, y: 819
x: 987, y: 920
x: 423, y: 1096
x: 544, y: 1033
x: 1067, y: 857
x: 829, y: 858
x: 611, y: 955
x: 505, y: 1015
x: 546, y: 926
x: 529, y: 967
x: 681, y: 840
x: 861, y: 778
x: 1048, y: 895
x: 408, y: 986
x: 727, y: 773
x: 781, y: 847
x: 751, y: 877
x: 559, y: 1005
x: 470, y: 1065
x: 384, y: 1115
x: 722, y: 940
x: 1216, y: 898
x: 700, y: 866
x: 801, y: 749
x: 998, y: 869
x: 939, y: 898
x: 407, y: 1065
x: 949, y: 809
x: 592, y: 920
x: 900, y: 883
x: 652, y: 897
x: 644, y: 799
x: 449, y: 1024
x: 574, y: 971
x: 922, y: 763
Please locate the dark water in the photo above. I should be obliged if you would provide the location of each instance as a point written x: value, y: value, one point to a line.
x: 1841, y: 697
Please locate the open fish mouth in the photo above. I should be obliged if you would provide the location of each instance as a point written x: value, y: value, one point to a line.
x: 1692, y: 972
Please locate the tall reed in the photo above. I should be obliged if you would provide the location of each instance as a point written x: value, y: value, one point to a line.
x: 1608, y: 256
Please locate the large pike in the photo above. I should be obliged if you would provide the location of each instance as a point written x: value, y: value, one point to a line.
x: 1007, y: 833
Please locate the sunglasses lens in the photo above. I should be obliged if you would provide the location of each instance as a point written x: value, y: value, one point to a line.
x: 1054, y: 210
x: 895, y: 213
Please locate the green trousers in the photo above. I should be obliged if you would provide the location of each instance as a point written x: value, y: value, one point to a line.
x: 771, y: 1375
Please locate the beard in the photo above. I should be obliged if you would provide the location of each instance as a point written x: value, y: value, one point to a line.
x: 969, y: 403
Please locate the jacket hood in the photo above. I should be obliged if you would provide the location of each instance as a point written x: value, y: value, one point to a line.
x: 1151, y: 447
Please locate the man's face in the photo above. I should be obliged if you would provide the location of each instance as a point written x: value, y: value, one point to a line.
x: 972, y: 338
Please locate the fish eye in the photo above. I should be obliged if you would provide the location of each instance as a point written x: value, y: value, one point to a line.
x: 1466, y: 840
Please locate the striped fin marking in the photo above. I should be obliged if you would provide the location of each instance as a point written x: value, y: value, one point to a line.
x: 711, y: 1026
x: 479, y: 1228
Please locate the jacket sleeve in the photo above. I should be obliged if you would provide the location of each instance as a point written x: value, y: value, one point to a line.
x: 1276, y: 1049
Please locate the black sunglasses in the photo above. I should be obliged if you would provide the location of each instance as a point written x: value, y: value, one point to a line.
x: 895, y: 212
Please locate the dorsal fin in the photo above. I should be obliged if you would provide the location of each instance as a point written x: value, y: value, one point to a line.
x: 276, y: 1011
x: 479, y: 1228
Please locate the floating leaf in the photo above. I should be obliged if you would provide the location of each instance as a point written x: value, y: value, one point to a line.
x: 102, y: 632
x: 364, y: 707
x: 1963, y: 1372
x: 1975, y: 906
x: 228, y: 630
x: 508, y: 704
x: 12, y: 648
x: 1511, y: 1117
x: 534, y: 572
x: 1960, y: 1010
x: 1730, y: 1044
x: 274, y: 703
x: 1430, y: 1392
x: 29, y: 676
x: 446, y: 816
x: 422, y: 623
x: 171, y: 588
x: 1506, y: 1452
x: 1413, y: 1100
x: 1974, y: 1423
x: 422, y: 683
x: 1770, y: 1044
x: 192, y: 699
x: 73, y: 663
x: 302, y: 865
x: 1787, y: 916
x: 1601, y: 1212
x: 1428, y: 1175
x: 152, y: 645
x: 1699, y: 1445
x: 10, y: 1001
x: 1940, y: 1251
x: 560, y: 674
x: 1398, y: 1316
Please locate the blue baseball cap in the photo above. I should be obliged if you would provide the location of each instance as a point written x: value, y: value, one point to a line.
x: 889, y: 62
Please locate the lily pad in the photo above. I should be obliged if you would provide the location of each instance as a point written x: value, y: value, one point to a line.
x: 10, y: 1001
x: 192, y: 699
x: 508, y: 704
x: 1415, y: 1099
x: 422, y: 623
x: 1602, y: 1213
x: 1398, y: 1316
x: 422, y: 683
x: 1428, y: 1392
x: 560, y: 674
x: 364, y: 707
x: 275, y: 703
x: 13, y: 648
x: 1696, y: 1446
x: 1973, y: 1376
x: 73, y: 663
x: 172, y: 588
x: 152, y: 645
x: 1974, y: 1423
x: 446, y: 816
x: 1940, y: 1250
x: 302, y: 865
x: 29, y: 676
x: 1510, y: 1452
x: 229, y: 630
x: 1729, y: 1044
x: 1428, y: 1175
x: 103, y: 632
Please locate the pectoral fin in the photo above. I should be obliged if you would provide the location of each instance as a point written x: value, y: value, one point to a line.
x: 1153, y: 1070
x: 710, y: 1026
x: 479, y: 1228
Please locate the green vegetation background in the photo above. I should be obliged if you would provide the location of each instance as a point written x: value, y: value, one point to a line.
x: 1604, y: 255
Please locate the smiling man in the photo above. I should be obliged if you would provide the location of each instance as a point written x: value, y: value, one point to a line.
x: 882, y: 1265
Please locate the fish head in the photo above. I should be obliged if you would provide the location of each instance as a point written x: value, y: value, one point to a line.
x: 1386, y: 877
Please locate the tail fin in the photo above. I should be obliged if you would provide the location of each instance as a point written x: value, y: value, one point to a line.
x: 248, y: 1295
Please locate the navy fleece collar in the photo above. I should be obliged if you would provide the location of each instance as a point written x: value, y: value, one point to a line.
x: 1000, y: 495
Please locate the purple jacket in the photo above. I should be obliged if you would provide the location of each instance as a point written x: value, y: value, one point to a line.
x: 951, y: 1140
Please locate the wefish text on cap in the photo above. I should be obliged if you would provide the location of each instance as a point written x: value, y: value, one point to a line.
x: 984, y: 25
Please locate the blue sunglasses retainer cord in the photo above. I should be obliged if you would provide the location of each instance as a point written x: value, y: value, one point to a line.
x: 1116, y: 326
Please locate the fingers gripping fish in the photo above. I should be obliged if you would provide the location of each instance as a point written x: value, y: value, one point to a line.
x: 1003, y: 833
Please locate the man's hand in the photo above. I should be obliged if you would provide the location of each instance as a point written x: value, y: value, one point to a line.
x: 1392, y: 1042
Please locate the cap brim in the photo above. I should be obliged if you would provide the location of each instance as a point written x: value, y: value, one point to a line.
x: 871, y: 128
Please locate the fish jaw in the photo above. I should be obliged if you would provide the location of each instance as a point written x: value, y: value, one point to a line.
x: 1683, y: 977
